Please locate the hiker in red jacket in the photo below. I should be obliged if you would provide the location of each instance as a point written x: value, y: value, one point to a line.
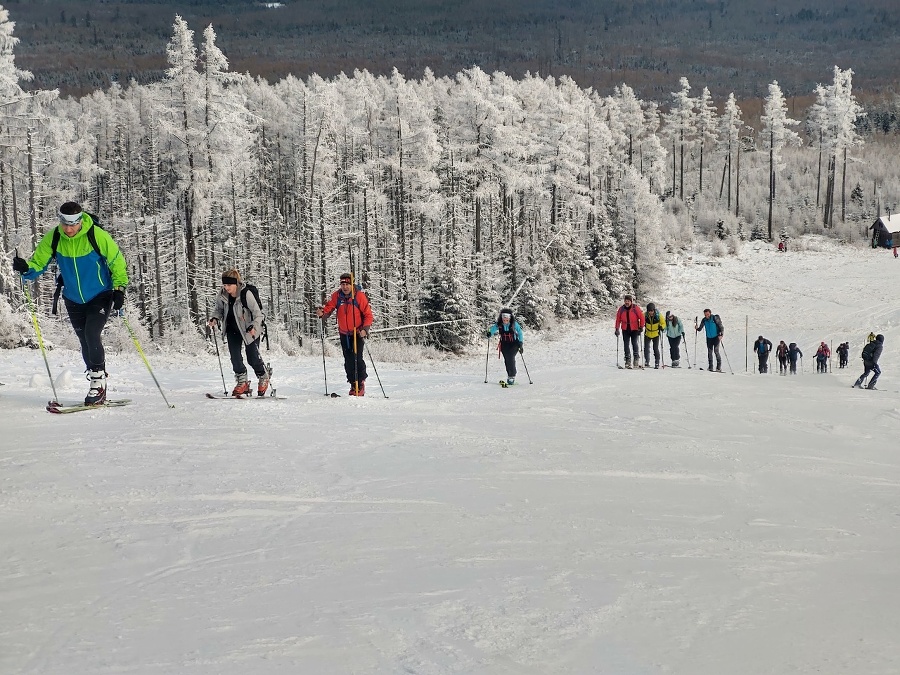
x: 354, y: 318
x: 630, y: 319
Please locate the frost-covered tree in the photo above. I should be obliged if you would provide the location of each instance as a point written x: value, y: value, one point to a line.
x: 681, y: 126
x: 707, y: 131
x: 777, y: 134
x: 731, y: 124
x: 833, y: 118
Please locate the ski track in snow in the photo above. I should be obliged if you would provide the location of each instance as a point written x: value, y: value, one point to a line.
x: 597, y: 521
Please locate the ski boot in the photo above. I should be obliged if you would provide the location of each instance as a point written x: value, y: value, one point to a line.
x: 510, y: 380
x: 242, y: 386
x: 97, y: 393
x: 263, y: 384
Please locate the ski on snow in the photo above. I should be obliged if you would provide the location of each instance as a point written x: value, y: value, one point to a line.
x: 61, y: 409
x: 220, y: 397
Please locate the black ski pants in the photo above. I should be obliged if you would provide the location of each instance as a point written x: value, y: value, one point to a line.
x: 509, y: 351
x: 782, y: 364
x: 869, y: 367
x: 793, y: 366
x: 763, y: 362
x: 630, y: 338
x: 235, y: 344
x: 674, y: 349
x: 88, y: 320
x: 647, y: 342
x: 354, y: 359
x: 712, y: 347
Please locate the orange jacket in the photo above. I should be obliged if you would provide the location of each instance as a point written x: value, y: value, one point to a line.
x: 630, y: 319
x: 352, y: 313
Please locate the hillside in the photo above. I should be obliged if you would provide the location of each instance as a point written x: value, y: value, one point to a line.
x: 597, y: 521
x: 727, y: 45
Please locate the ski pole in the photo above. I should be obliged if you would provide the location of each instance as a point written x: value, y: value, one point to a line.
x: 726, y: 356
x: 487, y: 357
x: 219, y: 357
x: 526, y: 366
x: 662, y: 350
x: 324, y: 369
x: 375, y: 369
x: 37, y: 330
x: 617, y: 357
x: 143, y: 356
x: 695, y: 339
x: 686, y: 351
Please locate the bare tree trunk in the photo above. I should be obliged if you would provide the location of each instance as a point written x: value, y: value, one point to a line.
x: 771, y: 179
x: 737, y: 182
x: 844, y: 188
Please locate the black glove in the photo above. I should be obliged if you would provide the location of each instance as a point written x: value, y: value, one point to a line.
x: 487, y: 333
x: 20, y: 265
x: 521, y: 350
x: 118, y: 299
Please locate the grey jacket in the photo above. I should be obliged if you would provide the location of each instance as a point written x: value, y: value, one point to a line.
x: 246, y: 318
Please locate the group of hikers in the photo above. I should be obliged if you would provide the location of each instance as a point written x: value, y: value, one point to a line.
x: 93, y: 278
x: 631, y: 321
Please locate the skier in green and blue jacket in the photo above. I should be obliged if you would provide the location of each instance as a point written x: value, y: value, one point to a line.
x: 94, y: 277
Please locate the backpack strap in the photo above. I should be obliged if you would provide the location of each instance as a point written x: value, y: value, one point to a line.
x: 54, y: 244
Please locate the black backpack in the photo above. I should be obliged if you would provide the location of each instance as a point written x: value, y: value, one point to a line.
x: 54, y: 244
x: 869, y: 351
x: 255, y: 291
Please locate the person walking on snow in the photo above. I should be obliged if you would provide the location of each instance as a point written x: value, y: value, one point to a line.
x: 654, y: 324
x: 630, y: 319
x: 240, y: 318
x: 843, y: 352
x: 512, y: 341
x: 870, y: 355
x: 793, y: 353
x: 354, y: 319
x: 93, y: 275
x: 781, y: 353
x: 675, y: 334
x: 823, y: 353
x: 763, y: 348
x: 712, y: 324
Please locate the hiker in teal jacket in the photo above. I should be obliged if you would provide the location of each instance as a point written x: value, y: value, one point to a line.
x: 94, y: 277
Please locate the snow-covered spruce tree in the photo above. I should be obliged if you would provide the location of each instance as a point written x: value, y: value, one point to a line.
x: 444, y: 299
x: 776, y: 134
x: 613, y: 270
x: 641, y: 210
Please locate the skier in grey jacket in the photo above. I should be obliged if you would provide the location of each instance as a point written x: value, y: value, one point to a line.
x: 675, y: 334
x: 240, y: 317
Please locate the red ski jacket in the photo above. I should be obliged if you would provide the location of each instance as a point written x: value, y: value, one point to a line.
x: 630, y: 319
x: 352, y: 313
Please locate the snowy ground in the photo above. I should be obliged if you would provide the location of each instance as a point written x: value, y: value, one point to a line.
x: 598, y: 521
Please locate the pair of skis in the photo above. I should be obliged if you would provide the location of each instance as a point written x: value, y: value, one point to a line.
x: 58, y: 408
x: 246, y: 397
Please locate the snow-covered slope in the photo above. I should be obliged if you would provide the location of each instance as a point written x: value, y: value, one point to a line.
x: 597, y: 521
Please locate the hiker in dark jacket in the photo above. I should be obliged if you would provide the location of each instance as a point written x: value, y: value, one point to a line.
x: 870, y: 355
x: 763, y: 348
x: 843, y: 352
x: 793, y: 353
x: 781, y: 353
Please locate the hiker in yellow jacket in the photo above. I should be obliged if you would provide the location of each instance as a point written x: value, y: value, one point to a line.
x: 654, y: 323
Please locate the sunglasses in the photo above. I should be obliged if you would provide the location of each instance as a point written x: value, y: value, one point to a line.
x: 68, y: 220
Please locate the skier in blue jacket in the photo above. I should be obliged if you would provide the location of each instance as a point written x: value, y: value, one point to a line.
x: 511, y: 341
x: 712, y: 324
